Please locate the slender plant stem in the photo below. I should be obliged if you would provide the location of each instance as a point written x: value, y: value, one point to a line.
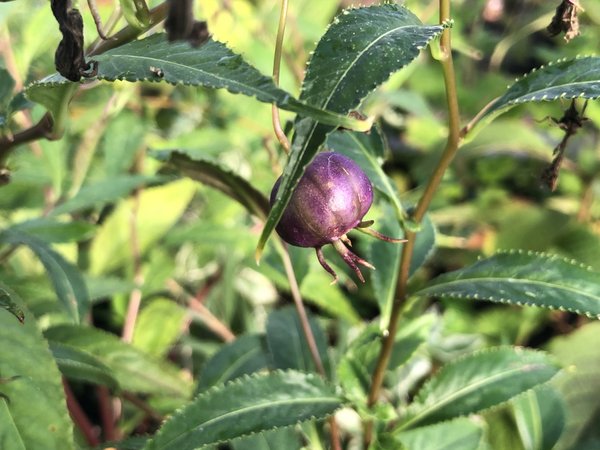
x: 276, y: 71
x: 79, y: 417
x: 142, y: 405
x: 450, y: 149
x: 209, y: 319
x: 107, y: 414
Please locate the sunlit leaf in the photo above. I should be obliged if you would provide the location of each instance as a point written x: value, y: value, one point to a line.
x: 341, y: 73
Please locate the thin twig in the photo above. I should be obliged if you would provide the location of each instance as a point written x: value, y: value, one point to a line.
x: 79, y: 416
x: 285, y: 143
x: 97, y: 19
x: 107, y: 414
x: 450, y: 150
x: 209, y: 319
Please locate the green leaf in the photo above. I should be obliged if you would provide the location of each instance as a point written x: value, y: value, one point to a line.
x: 211, y: 65
x: 575, y: 78
x: 249, y: 405
x: 287, y: 343
x: 424, y: 244
x: 67, y: 280
x: 478, y: 381
x: 525, y: 279
x: 579, y: 385
x: 215, y: 175
x: 79, y: 365
x: 51, y: 231
x: 385, y: 256
x: 158, y: 326
x: 8, y: 304
x: 33, y: 413
x: 357, y: 364
x: 158, y: 210
x: 55, y: 98
x: 280, y: 439
x: 368, y: 151
x: 134, y: 370
x: 105, y: 191
x: 244, y: 356
x: 540, y: 417
x: 341, y: 73
x: 458, y: 434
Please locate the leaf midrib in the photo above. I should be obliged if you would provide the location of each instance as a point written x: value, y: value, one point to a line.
x: 270, y: 403
x: 359, y: 56
x: 203, y: 72
x: 465, y: 391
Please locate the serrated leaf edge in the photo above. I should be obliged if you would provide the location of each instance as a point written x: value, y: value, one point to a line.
x: 240, y: 381
x: 485, y: 351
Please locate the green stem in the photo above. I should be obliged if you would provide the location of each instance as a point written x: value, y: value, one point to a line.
x: 452, y: 144
x: 277, y: 128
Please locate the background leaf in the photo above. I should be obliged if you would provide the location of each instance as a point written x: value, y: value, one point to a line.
x: 215, y: 175
x: 579, y: 386
x: 246, y: 406
x: 478, y: 381
x: 67, y: 281
x: 340, y: 75
x: 458, y: 434
x: 524, y: 279
x: 159, y: 324
x: 244, y: 356
x: 32, y: 406
x: 287, y: 343
x: 286, y: 438
x: 79, y: 365
x: 574, y: 78
x: 134, y: 370
x: 540, y: 417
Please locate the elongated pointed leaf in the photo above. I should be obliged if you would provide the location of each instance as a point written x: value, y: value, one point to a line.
x: 67, y: 280
x: 284, y: 438
x: 249, y: 405
x: 575, y: 78
x: 8, y: 304
x: 341, y: 73
x: 106, y: 191
x: 479, y: 381
x: 524, y: 279
x: 540, y: 417
x: 211, y: 65
x: 33, y: 412
x: 134, y: 370
x: 287, y: 343
x: 215, y: 175
x: 244, y: 356
x: 459, y: 434
x: 79, y: 365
